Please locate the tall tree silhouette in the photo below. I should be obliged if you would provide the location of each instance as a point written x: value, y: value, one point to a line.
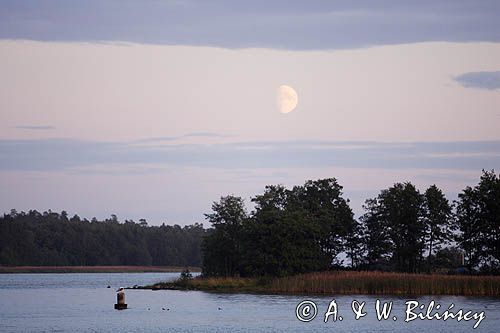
x: 438, y: 220
x: 222, y: 247
x: 478, y: 217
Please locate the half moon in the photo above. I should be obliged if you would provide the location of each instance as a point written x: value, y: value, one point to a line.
x: 287, y: 99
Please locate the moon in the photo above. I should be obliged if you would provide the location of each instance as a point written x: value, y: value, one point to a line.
x: 287, y: 99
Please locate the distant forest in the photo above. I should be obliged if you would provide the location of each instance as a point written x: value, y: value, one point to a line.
x: 306, y: 228
x: 52, y: 239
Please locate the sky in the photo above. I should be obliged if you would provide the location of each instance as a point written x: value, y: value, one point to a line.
x: 155, y: 109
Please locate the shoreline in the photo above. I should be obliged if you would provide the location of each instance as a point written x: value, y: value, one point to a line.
x: 345, y: 283
x: 95, y: 269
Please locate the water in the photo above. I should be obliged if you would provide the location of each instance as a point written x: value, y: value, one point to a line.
x: 83, y: 303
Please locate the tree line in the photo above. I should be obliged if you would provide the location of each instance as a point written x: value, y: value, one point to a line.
x: 54, y: 239
x: 312, y: 228
x: 306, y: 228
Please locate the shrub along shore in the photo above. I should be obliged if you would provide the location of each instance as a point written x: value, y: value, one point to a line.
x: 346, y: 282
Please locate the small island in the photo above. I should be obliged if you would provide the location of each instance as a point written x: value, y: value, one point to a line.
x: 297, y: 241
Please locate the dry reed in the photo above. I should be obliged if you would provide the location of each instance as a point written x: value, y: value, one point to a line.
x: 385, y: 283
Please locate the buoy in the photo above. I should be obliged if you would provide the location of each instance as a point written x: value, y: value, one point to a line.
x: 120, y: 299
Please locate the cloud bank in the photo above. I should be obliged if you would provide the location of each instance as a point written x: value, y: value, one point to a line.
x: 279, y: 24
x: 63, y: 154
x: 480, y: 80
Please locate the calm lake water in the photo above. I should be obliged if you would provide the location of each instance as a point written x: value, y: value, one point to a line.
x: 83, y: 303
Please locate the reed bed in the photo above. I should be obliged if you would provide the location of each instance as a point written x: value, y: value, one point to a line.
x: 347, y: 282
x: 384, y: 283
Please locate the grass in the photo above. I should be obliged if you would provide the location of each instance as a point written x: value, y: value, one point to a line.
x: 229, y: 284
x: 383, y: 283
x: 224, y: 284
x: 93, y: 269
x: 348, y: 282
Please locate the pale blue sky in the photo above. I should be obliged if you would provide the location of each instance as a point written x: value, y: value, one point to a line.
x: 154, y: 109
